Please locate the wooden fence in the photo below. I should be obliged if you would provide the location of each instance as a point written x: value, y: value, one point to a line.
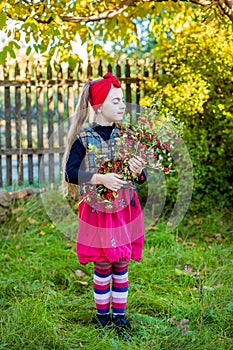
x: 35, y: 108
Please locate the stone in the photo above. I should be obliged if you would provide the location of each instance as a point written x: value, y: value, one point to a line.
x: 5, y: 198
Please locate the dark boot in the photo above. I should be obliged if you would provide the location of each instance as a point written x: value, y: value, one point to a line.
x: 102, y: 320
x: 122, y: 326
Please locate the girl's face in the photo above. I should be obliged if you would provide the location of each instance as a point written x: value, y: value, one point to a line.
x: 113, y: 108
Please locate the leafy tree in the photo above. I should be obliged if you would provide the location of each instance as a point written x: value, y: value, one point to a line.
x: 50, y: 26
x: 195, y: 82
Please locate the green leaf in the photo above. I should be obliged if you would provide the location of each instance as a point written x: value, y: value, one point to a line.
x: 3, y: 19
x: 28, y: 51
x: 11, y: 52
x: 56, y: 66
x: 72, y: 60
x: 3, y: 56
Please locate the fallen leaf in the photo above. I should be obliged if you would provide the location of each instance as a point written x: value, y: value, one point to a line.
x: 71, y: 245
x: 208, y: 239
x: 150, y: 250
x: 31, y: 220
x: 199, y: 221
x: 80, y: 273
x: 182, y: 325
x: 82, y: 282
x: 150, y: 228
x: 184, y: 321
x: 41, y: 233
x: 179, y: 272
x: 17, y: 210
x: 218, y: 236
x: 191, y: 244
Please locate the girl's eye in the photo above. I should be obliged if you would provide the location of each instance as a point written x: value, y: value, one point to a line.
x: 117, y: 101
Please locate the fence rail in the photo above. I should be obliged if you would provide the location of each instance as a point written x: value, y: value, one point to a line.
x: 36, y: 105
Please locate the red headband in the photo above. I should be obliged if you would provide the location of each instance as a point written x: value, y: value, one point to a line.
x: 99, y: 90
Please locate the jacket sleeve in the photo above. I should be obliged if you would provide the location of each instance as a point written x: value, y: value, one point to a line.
x: 74, y: 172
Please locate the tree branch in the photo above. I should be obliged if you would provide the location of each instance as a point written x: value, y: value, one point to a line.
x: 104, y: 15
x: 225, y: 6
x: 122, y: 7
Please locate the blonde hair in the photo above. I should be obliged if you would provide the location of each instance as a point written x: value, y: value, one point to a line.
x: 81, y: 114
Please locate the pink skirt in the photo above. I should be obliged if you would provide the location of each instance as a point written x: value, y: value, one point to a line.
x: 110, y: 234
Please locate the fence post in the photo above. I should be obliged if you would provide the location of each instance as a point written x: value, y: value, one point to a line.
x: 39, y: 105
x: 50, y: 106
x: 100, y: 69
x: 80, y: 77
x: 89, y: 70
x: 70, y: 95
x: 7, y: 99
x: 138, y: 88
x: 109, y: 68
x: 118, y: 70
x: 128, y: 90
x: 18, y: 127
x: 146, y: 75
x: 29, y: 124
x: 60, y: 106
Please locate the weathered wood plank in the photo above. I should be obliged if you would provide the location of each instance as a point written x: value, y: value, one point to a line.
x: 40, y: 141
x: 36, y: 151
x: 18, y: 127
x: 60, y: 107
x: 138, y: 90
x: 7, y: 100
x: 29, y: 126
x: 70, y: 96
x: 128, y: 90
x: 50, y: 107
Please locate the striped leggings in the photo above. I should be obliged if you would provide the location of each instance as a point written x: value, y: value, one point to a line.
x: 103, y: 274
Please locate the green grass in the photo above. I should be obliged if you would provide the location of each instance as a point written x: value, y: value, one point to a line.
x: 46, y: 305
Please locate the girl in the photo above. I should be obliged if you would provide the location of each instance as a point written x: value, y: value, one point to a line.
x: 108, y: 237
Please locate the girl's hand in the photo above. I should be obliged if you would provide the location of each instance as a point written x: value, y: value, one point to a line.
x: 135, y: 165
x: 112, y: 181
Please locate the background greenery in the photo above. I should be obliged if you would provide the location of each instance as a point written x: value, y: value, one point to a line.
x: 47, y: 300
x: 195, y: 83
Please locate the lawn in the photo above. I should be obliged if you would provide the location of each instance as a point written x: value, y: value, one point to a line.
x: 180, y: 294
